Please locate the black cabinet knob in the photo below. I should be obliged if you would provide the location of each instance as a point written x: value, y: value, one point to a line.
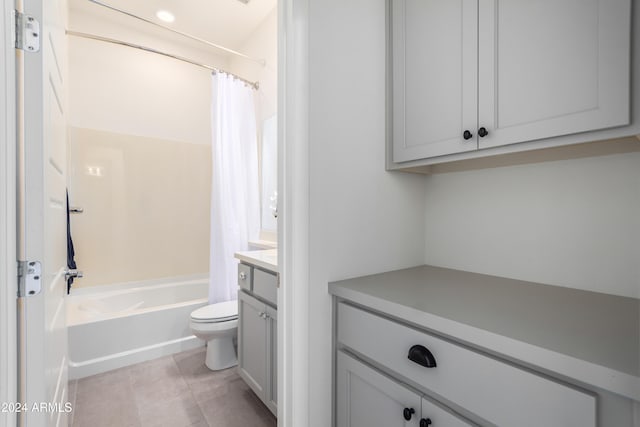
x: 467, y: 134
x: 408, y: 413
x: 482, y: 132
x: 422, y: 356
x: 425, y: 422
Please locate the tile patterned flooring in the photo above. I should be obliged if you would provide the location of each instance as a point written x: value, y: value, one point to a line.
x: 173, y: 391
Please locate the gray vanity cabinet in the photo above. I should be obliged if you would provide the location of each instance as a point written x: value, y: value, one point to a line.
x: 485, y: 350
x: 271, y: 392
x: 252, y: 342
x: 366, y: 397
x: 496, y: 392
x: 257, y: 335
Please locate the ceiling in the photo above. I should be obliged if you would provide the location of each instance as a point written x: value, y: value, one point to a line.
x: 225, y: 22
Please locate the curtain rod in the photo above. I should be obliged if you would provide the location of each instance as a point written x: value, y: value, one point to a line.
x: 217, y: 46
x: 254, y: 85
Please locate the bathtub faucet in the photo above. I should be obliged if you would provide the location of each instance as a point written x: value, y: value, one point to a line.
x: 72, y: 272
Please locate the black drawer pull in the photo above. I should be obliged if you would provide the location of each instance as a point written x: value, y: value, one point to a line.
x: 422, y: 356
x: 425, y: 422
x: 408, y: 412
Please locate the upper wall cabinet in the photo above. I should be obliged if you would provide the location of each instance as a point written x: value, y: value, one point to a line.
x: 476, y: 74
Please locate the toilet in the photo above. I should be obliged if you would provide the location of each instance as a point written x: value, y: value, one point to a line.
x: 217, y: 324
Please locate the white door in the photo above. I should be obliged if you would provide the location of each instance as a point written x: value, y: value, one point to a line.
x: 45, y: 213
x: 552, y: 67
x: 366, y: 398
x: 434, y: 49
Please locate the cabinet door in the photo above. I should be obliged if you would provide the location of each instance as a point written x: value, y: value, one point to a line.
x: 271, y: 398
x: 366, y: 398
x: 436, y: 415
x: 434, y: 51
x: 252, y: 342
x: 552, y: 67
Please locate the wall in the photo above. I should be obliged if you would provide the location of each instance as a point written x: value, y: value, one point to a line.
x: 146, y: 207
x: 570, y: 223
x: 144, y: 121
x: 128, y: 91
x: 262, y: 43
x: 363, y: 220
x: 573, y: 223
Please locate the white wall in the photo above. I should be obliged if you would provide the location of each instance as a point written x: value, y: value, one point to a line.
x: 144, y: 121
x: 569, y: 223
x: 573, y: 223
x: 363, y: 220
x: 124, y: 90
x: 262, y: 43
x: 145, y: 201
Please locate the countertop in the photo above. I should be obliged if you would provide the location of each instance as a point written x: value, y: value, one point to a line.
x: 266, y: 259
x: 590, y: 337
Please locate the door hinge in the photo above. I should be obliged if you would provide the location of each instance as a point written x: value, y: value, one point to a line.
x: 27, y: 32
x: 29, y: 278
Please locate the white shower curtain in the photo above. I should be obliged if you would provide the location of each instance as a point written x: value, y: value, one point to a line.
x: 235, y: 206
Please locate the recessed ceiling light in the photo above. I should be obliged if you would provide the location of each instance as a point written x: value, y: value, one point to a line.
x: 165, y: 15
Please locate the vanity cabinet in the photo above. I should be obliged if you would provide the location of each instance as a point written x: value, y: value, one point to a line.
x: 257, y: 333
x: 366, y: 397
x: 476, y: 74
x: 482, y: 350
x: 490, y: 389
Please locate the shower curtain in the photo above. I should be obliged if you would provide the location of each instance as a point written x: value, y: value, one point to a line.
x: 235, y: 206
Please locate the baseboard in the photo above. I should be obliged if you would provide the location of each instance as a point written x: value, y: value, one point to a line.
x: 87, y: 368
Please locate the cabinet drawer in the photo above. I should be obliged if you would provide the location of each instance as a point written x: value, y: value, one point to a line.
x: 244, y: 276
x: 265, y: 285
x: 494, y: 390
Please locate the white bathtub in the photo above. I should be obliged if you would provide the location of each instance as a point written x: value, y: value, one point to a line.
x: 119, y: 325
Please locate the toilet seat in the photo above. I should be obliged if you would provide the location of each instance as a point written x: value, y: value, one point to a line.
x: 216, y: 313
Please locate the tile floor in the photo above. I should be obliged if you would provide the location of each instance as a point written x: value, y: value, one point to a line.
x: 173, y: 391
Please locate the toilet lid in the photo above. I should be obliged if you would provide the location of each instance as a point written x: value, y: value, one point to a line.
x: 218, y: 312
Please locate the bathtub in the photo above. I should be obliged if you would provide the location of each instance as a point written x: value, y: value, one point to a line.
x: 118, y: 325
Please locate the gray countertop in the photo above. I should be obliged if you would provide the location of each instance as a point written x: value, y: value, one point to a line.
x: 588, y: 336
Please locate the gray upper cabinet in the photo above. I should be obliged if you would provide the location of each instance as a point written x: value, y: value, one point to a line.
x: 477, y: 74
x: 435, y: 92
